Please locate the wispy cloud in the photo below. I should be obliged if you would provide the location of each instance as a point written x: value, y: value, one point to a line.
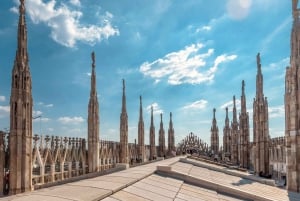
x: 203, y: 28
x: 75, y: 2
x: 276, y: 111
x: 229, y: 105
x: 197, y: 105
x: 156, y: 108
x: 277, y: 65
x: 238, y: 10
x: 127, y: 71
x: 274, y: 33
x: 70, y: 120
x: 205, y: 122
x: 184, y: 66
x: 41, y: 119
x: 36, y: 113
x: 2, y: 98
x: 45, y: 105
x: 65, y: 25
x: 4, y: 111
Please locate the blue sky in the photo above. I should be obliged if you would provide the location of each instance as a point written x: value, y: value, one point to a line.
x: 184, y: 57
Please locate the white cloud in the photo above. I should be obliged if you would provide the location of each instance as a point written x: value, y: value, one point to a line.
x: 36, y: 113
x: 45, y: 105
x: 41, y: 119
x: 274, y: 33
x: 70, y: 120
x: 65, y: 25
x: 156, y: 108
x: 276, y: 111
x: 74, y: 132
x: 229, y: 104
x: 75, y: 2
x: 183, y: 66
x: 2, y: 98
x: 4, y: 111
x: 197, y: 105
x: 238, y: 9
x: 204, y: 122
x: 278, y: 65
x: 203, y: 28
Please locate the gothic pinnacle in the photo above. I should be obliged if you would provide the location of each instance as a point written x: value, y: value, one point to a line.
x: 151, y: 115
x: 234, y: 111
x: 243, y: 88
x: 93, y: 59
x: 123, y: 86
x: 214, y: 110
x: 22, y: 7
x: 141, y: 109
x: 227, y: 119
x: 123, y: 99
x: 93, y: 76
x: 258, y: 63
x: 295, y: 10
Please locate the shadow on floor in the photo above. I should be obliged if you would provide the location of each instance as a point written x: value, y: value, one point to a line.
x: 242, y: 182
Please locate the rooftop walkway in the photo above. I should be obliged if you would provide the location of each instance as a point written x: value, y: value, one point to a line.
x: 170, y: 179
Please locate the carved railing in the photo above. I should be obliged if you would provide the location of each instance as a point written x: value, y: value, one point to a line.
x: 109, y: 154
x: 192, y: 143
x: 277, y: 158
x: 57, y: 158
x: 4, y: 163
x: 277, y: 152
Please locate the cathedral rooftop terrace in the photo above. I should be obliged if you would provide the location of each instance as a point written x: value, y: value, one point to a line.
x: 177, y: 178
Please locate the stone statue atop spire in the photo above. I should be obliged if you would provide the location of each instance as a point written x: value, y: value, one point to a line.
x: 93, y: 123
x: 295, y: 10
x: 93, y: 59
x: 21, y: 102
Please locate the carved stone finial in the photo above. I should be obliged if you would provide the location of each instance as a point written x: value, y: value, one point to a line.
x: 295, y: 4
x: 243, y: 86
x: 93, y: 59
x: 22, y: 6
x: 258, y: 59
